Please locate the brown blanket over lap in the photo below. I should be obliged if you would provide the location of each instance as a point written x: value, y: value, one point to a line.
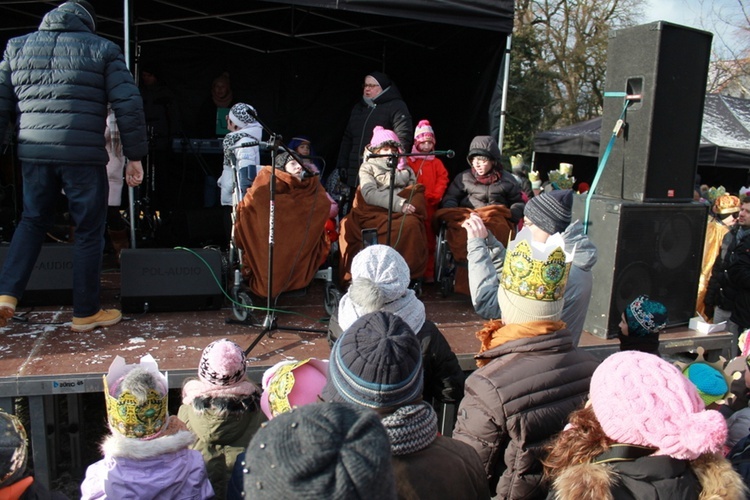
x: 300, y: 243
x: 411, y: 243
x: 495, y: 217
x: 497, y: 220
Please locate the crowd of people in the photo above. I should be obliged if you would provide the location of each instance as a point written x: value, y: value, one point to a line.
x: 538, y: 418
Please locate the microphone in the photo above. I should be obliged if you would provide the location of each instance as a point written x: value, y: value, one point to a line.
x: 263, y: 145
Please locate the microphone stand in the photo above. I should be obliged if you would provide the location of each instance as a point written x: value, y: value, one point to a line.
x: 392, y: 163
x: 269, y: 323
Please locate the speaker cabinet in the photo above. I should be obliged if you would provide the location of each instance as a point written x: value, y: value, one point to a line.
x: 51, y: 281
x: 655, y: 157
x: 170, y: 280
x: 643, y: 248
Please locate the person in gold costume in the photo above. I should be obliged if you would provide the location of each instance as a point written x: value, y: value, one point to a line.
x: 723, y: 215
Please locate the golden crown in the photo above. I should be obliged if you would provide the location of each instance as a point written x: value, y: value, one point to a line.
x: 562, y: 180
x: 125, y: 413
x: 714, y: 192
x: 537, y: 271
x: 727, y: 204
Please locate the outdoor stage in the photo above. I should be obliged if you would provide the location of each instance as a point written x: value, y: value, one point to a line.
x: 43, y: 360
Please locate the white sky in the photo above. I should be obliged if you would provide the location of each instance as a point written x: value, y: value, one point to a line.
x: 703, y: 14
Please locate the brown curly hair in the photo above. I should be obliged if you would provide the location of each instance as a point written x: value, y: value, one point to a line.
x: 578, y: 444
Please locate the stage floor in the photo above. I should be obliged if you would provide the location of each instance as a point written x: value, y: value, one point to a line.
x: 42, y: 356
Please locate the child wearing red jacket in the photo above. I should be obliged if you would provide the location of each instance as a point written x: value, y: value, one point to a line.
x: 431, y: 173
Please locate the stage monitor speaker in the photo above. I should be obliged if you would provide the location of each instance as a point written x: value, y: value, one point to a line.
x: 654, y: 249
x: 160, y: 279
x: 655, y: 158
x: 51, y: 281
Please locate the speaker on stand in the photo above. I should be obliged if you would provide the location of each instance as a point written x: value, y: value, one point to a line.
x: 655, y: 158
x: 648, y: 232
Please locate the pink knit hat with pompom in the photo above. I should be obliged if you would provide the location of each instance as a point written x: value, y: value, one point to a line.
x: 424, y: 132
x: 222, y: 363
x: 640, y: 399
x: 381, y: 136
x: 221, y: 373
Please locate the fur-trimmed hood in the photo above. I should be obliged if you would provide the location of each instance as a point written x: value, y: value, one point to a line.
x: 714, y: 474
x: 174, y: 438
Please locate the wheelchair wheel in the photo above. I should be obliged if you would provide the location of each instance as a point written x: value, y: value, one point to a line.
x: 241, y: 299
x: 445, y: 267
x: 333, y: 297
x: 441, y: 248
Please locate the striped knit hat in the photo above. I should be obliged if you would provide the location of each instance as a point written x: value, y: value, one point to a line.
x: 423, y: 132
x: 550, y: 211
x: 377, y: 363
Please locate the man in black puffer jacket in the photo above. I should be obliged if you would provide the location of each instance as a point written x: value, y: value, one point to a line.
x: 57, y: 82
x: 381, y: 104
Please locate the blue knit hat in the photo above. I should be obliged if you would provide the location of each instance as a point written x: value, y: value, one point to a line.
x: 377, y: 363
x: 709, y: 380
x: 645, y: 316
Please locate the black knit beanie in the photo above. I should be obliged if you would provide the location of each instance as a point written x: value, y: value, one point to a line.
x: 551, y: 211
x: 382, y: 79
x: 377, y: 363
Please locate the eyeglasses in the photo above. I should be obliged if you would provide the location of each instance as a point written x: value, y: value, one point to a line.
x: 370, y: 85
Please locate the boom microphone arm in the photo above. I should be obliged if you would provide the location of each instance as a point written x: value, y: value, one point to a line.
x: 449, y: 153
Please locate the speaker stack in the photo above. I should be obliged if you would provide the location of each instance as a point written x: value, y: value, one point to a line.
x: 648, y: 231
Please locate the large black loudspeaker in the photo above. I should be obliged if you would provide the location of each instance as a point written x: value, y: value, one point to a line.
x: 51, y: 281
x: 655, y: 157
x: 170, y: 280
x: 643, y: 248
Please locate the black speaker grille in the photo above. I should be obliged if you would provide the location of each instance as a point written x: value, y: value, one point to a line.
x: 659, y: 255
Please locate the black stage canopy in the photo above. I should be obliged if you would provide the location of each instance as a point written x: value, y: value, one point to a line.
x: 301, y: 63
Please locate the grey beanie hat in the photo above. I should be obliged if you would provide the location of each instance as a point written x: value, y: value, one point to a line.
x: 320, y: 450
x: 377, y: 363
x: 282, y: 159
x: 550, y: 211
